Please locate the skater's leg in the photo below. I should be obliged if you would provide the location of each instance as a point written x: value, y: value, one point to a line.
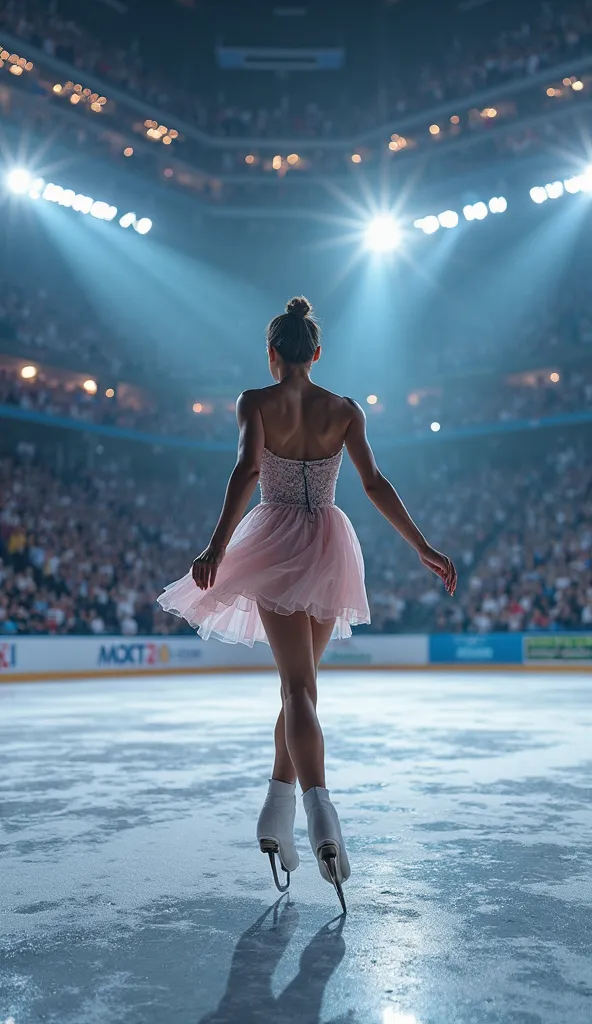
x: 283, y: 769
x: 321, y: 634
x: 291, y: 640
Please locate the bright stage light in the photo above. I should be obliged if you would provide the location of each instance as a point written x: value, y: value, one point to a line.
x: 36, y: 188
x: 19, y: 180
x: 372, y: 399
x: 90, y: 386
x: 498, y: 204
x: 475, y: 211
x: 538, y: 194
x: 428, y: 224
x: 435, y: 427
x: 102, y: 211
x: 383, y: 234
x: 29, y: 372
x: 554, y: 189
x: 573, y: 185
x: 143, y: 225
x: 448, y: 219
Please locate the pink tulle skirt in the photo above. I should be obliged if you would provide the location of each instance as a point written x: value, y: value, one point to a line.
x: 279, y: 559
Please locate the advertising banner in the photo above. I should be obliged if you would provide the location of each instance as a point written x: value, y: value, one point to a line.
x: 558, y: 647
x: 366, y: 650
x: 56, y: 657
x: 488, y: 648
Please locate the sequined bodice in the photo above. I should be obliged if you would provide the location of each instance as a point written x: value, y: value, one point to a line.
x: 296, y: 482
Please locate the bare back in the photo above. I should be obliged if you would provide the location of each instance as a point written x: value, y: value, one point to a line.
x: 302, y: 420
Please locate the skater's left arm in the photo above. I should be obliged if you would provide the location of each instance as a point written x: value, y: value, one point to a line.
x: 241, y: 485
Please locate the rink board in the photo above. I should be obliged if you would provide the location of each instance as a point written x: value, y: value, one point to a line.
x: 31, y: 658
x: 60, y: 657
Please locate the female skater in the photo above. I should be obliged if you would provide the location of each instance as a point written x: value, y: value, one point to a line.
x: 291, y: 572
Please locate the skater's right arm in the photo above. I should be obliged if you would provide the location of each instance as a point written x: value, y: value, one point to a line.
x: 241, y: 485
x: 382, y: 494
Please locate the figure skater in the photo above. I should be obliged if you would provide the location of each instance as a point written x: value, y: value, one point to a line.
x: 291, y: 572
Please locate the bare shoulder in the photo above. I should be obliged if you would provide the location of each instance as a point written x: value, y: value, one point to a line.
x: 250, y: 399
x: 355, y: 409
x: 338, y: 403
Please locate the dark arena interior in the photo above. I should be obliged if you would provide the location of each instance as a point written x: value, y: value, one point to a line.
x: 171, y: 173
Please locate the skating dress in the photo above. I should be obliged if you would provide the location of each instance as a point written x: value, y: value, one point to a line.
x: 295, y: 551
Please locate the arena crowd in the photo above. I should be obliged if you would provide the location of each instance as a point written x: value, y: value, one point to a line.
x: 88, y: 552
x: 554, y: 34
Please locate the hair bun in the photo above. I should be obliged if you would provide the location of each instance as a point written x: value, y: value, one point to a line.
x: 299, y: 306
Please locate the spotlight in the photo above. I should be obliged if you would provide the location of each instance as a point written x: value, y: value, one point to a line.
x: 128, y: 151
x: 143, y: 225
x: 382, y: 234
x: 498, y: 204
x: 102, y: 211
x: 372, y: 399
x: 573, y: 185
x: 475, y: 211
x: 538, y: 194
x: 448, y: 219
x: 577, y: 86
x: 435, y: 427
x: 356, y: 158
x: 29, y: 372
x: 36, y: 189
x: 197, y: 407
x: 127, y: 220
x: 554, y: 189
x: 19, y: 180
x: 586, y: 183
x: 554, y: 377
x: 90, y: 386
x: 110, y: 393
x: 427, y: 224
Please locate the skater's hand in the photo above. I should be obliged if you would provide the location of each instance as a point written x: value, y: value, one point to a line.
x: 441, y: 565
x: 205, y: 566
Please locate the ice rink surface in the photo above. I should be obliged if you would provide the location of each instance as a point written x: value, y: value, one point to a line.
x: 132, y: 890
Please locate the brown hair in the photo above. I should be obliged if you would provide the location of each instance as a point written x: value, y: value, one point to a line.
x: 295, y: 334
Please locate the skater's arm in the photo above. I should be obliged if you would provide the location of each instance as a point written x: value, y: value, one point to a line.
x: 240, y: 487
x: 382, y: 494
x: 245, y: 474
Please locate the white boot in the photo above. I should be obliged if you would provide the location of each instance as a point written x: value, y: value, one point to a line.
x: 324, y: 832
x: 275, y: 828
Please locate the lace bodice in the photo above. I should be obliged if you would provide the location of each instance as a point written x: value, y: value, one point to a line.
x: 296, y: 482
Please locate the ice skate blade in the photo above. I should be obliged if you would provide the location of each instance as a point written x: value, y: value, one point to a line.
x: 271, y: 847
x: 329, y: 854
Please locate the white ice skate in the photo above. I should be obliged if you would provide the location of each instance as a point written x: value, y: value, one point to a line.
x: 324, y: 832
x: 275, y: 829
